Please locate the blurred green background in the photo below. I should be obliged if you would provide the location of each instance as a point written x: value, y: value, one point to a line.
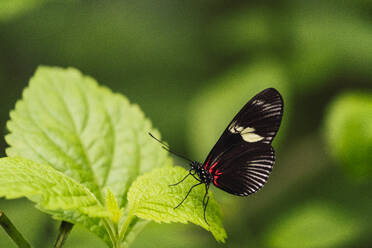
x: 191, y: 65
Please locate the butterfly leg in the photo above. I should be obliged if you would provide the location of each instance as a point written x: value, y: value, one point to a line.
x: 193, y: 175
x: 187, y: 195
x: 181, y: 180
x: 205, y: 204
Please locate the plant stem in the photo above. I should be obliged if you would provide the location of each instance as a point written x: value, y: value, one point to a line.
x: 125, y: 226
x: 12, y: 231
x: 64, y: 231
x: 109, y: 230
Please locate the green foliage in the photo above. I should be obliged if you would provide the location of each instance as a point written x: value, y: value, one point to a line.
x: 26, y: 217
x: 173, y: 53
x: 348, y: 131
x: 315, y: 225
x: 49, y: 188
x: 66, y: 120
x: 83, y: 130
x: 113, y: 208
x: 151, y: 198
x: 215, y: 106
x: 83, y: 148
x: 52, y: 191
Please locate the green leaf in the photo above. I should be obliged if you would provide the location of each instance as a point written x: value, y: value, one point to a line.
x: 92, y: 135
x: 348, y: 131
x: 112, y: 206
x: 150, y: 197
x: 49, y: 188
x: 315, y: 225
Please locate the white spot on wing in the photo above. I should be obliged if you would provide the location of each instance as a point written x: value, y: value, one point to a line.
x: 234, y: 128
x: 251, y: 137
x: 248, y: 130
x: 258, y: 102
x: 247, y: 133
x: 238, y: 129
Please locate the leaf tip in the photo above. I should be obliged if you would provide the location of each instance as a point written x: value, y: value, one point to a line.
x: 115, y: 212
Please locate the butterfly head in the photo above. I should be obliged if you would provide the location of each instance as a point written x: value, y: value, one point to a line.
x: 195, y: 165
x: 197, y: 168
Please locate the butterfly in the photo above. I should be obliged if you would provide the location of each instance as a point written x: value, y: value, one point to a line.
x: 242, y: 159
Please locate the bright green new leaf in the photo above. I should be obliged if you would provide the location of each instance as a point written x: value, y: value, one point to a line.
x: 112, y: 207
x: 150, y: 197
x: 94, y: 136
x: 49, y: 188
x: 349, y: 133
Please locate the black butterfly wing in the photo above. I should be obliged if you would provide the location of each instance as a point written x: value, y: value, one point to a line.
x: 245, y: 169
x: 263, y: 113
x: 257, y: 122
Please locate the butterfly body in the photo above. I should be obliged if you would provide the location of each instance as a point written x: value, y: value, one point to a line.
x: 201, y: 173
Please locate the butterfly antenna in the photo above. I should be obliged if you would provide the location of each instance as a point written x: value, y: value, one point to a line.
x: 166, y: 147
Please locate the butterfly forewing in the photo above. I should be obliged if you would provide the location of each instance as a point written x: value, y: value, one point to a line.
x: 246, y: 170
x: 260, y: 118
x: 257, y: 122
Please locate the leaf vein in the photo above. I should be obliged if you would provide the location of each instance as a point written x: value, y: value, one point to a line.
x: 94, y: 177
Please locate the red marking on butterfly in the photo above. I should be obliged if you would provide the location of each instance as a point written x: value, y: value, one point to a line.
x: 213, y: 165
x: 215, y: 177
x: 206, y: 165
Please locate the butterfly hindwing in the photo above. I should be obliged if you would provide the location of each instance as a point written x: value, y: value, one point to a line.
x: 257, y: 122
x: 245, y: 170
